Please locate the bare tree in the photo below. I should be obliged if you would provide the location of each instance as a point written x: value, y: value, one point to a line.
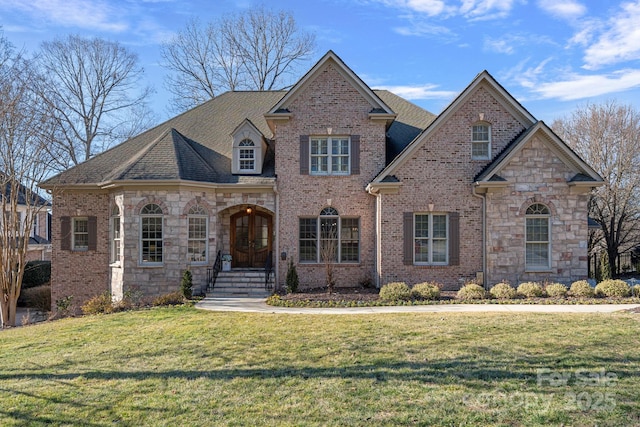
x: 93, y: 85
x: 256, y: 50
x: 607, y: 136
x: 329, y: 250
x: 24, y: 131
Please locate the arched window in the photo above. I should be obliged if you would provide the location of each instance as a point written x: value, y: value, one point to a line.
x: 247, y: 156
x: 151, y: 234
x: 115, y: 235
x: 338, y: 239
x: 538, y: 238
x: 481, y: 141
x: 198, y: 221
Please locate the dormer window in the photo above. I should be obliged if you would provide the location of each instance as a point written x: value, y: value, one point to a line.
x: 247, y: 156
x: 481, y: 142
x: 249, y: 149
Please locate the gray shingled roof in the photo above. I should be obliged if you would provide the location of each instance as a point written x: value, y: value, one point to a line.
x: 196, y: 145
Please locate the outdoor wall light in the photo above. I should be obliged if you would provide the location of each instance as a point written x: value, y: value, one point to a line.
x: 283, y: 256
x: 249, y: 210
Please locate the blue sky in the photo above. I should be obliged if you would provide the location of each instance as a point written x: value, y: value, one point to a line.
x: 552, y: 55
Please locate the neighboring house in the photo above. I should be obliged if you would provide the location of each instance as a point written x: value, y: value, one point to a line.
x: 39, y: 248
x: 481, y: 192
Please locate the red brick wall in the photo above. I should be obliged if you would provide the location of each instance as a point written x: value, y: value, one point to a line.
x: 82, y: 275
x: 328, y: 101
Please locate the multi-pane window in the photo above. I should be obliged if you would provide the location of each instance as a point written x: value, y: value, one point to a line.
x: 329, y: 238
x: 430, y: 239
x: 151, y: 234
x: 330, y: 156
x: 80, y: 235
x: 115, y: 235
x: 480, y: 142
x: 247, y: 155
x: 537, y: 237
x: 197, y: 240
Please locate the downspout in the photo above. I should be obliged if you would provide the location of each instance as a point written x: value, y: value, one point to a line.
x: 484, y: 233
x: 276, y: 275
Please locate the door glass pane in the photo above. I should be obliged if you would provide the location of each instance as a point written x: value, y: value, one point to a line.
x: 262, y: 232
x: 242, y: 233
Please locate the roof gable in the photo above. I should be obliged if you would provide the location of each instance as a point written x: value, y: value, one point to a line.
x: 378, y: 107
x: 585, y: 174
x: 484, y: 79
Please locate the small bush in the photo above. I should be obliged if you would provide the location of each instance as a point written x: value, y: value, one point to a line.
x: 581, y: 289
x: 64, y: 306
x: 38, y: 297
x: 186, y: 284
x: 173, y: 298
x: 503, y: 291
x: 531, y: 290
x: 395, y: 291
x: 292, y: 280
x: 425, y: 291
x: 613, y: 288
x: 98, y: 304
x: 36, y: 273
x: 471, y: 291
x: 556, y: 290
x: 635, y: 291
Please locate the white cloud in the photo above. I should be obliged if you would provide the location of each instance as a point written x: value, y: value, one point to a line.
x: 423, y: 29
x: 429, y: 7
x: 564, y: 9
x: 580, y: 87
x: 621, y: 42
x: 426, y: 91
x: 90, y: 14
x: 486, y: 9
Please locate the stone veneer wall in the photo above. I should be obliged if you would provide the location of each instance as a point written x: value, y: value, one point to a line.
x: 545, y: 183
x: 81, y: 274
x: 441, y: 173
x: 90, y: 273
x: 329, y: 104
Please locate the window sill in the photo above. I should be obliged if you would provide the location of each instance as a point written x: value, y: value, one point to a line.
x: 115, y: 265
x: 431, y: 265
x: 538, y: 270
x: 151, y: 265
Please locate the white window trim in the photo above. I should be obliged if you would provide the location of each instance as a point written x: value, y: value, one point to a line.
x: 473, y: 141
x: 239, y: 150
x: 73, y: 234
x: 329, y: 155
x: 142, y: 218
x: 116, y: 258
x: 206, y: 238
x: 430, y: 238
x: 538, y: 268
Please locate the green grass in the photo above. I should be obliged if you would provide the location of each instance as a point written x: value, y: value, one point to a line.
x: 184, y: 367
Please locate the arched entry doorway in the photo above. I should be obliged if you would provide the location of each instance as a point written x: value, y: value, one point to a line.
x: 251, y: 238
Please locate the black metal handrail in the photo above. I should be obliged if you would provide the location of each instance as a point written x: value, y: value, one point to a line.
x: 212, y: 272
x: 268, y: 270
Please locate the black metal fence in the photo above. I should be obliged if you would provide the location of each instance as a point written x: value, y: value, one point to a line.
x: 627, y: 263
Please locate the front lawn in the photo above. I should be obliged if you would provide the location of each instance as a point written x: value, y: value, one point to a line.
x: 182, y: 366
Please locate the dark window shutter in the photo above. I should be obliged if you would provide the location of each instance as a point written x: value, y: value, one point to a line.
x: 454, y: 238
x: 65, y: 233
x: 304, y: 154
x: 408, y: 238
x: 355, y: 154
x: 92, y: 224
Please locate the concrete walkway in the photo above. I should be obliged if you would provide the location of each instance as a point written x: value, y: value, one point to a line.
x: 258, y: 305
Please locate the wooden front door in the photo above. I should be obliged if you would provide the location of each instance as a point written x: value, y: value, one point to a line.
x: 250, y: 239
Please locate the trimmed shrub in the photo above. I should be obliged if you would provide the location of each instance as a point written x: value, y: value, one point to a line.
x: 36, y: 273
x: 471, y: 291
x: 395, y: 291
x: 613, y: 288
x: 557, y: 290
x: 635, y: 291
x: 581, y: 289
x: 503, y: 291
x: 531, y: 290
x: 186, y: 284
x: 292, y: 280
x: 173, y: 298
x: 425, y: 291
x: 98, y: 304
x: 38, y: 297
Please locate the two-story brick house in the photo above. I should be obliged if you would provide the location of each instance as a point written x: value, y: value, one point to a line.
x: 329, y: 170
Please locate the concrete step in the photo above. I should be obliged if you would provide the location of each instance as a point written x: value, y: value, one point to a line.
x: 240, y: 283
